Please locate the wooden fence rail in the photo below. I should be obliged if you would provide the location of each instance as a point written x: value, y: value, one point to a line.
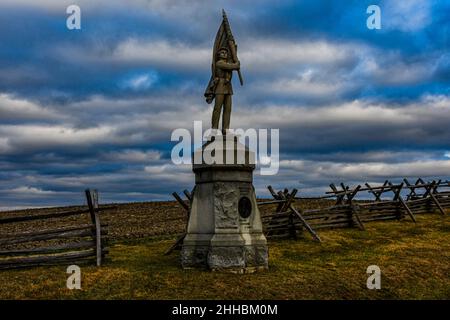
x: 77, y: 244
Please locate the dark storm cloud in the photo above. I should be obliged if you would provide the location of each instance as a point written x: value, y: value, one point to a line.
x: 96, y: 107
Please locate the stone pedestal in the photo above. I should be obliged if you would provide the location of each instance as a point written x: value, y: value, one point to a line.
x: 225, y: 230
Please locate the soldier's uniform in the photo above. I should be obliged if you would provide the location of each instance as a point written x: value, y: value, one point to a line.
x: 223, y: 92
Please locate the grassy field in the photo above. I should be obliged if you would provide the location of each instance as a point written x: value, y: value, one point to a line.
x: 414, y: 260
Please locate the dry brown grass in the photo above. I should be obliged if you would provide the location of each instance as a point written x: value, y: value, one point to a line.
x: 414, y: 259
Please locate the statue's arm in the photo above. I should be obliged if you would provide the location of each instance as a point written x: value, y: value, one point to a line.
x: 228, y: 66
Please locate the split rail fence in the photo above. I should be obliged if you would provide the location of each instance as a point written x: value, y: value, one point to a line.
x: 289, y: 220
x: 80, y: 243
x: 347, y: 212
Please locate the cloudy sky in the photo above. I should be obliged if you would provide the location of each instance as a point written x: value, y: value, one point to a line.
x: 96, y: 107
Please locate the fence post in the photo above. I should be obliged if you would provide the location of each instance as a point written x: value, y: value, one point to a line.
x: 92, y: 201
x: 339, y: 198
x: 433, y: 198
x: 354, y: 210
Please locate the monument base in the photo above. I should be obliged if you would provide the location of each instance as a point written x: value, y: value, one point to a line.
x: 238, y: 259
x: 225, y: 230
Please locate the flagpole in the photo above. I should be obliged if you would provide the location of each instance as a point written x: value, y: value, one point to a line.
x: 232, y: 44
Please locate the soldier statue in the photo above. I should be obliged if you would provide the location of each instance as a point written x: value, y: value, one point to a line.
x: 219, y: 88
x: 223, y: 90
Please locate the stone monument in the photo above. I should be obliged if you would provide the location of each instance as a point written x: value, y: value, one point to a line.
x: 224, y: 230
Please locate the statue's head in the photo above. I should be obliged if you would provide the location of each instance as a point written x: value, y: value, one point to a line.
x: 222, y: 53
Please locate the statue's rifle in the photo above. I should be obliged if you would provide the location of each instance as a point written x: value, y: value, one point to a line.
x: 231, y: 44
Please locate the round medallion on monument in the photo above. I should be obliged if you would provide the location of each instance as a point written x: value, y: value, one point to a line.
x: 245, y: 207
